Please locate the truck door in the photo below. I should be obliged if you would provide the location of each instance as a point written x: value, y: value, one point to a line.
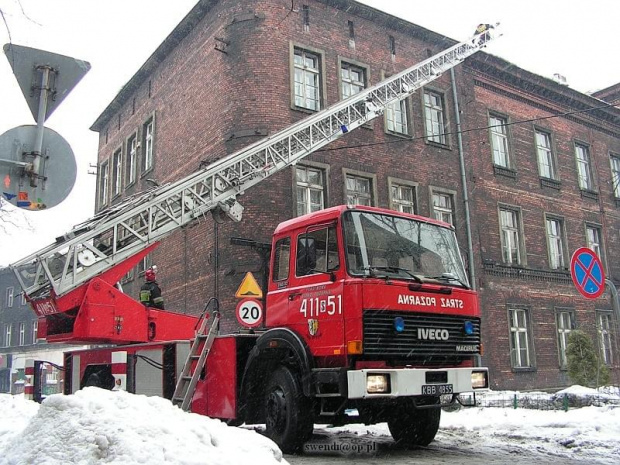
x: 315, y: 303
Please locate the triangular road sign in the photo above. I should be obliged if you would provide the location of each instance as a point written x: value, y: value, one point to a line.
x: 65, y: 73
x: 249, y: 288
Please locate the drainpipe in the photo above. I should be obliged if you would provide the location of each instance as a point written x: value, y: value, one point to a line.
x: 470, y: 247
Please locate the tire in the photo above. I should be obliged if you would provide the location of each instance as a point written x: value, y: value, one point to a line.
x: 412, y: 427
x: 288, y: 413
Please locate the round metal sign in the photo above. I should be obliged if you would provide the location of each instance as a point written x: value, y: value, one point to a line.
x: 57, y: 169
x: 250, y: 313
x: 587, y: 272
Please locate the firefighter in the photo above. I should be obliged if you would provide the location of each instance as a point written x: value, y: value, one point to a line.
x: 482, y: 27
x: 150, y: 292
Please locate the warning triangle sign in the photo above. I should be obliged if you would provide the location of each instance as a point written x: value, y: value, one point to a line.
x: 249, y: 288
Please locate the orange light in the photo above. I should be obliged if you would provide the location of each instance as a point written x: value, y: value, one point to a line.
x: 354, y: 347
x: 337, y: 351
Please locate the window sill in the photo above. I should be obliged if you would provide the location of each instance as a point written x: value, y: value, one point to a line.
x: 524, y: 369
x: 400, y: 135
x: 308, y: 111
x: 588, y: 194
x: 439, y: 145
x: 504, y: 171
x: 551, y: 183
x: 144, y: 173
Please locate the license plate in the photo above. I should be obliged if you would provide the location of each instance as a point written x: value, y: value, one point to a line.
x: 436, y: 389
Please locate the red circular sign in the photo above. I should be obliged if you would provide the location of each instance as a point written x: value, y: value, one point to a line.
x: 587, y: 272
x: 250, y: 313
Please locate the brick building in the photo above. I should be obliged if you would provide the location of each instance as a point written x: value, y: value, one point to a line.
x: 525, y: 168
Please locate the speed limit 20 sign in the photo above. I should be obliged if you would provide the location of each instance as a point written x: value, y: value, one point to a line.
x: 250, y: 313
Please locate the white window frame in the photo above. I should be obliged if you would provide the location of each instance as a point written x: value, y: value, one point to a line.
x: 306, y: 189
x: 132, y: 159
x: 511, y: 235
x: 520, y: 350
x: 148, y: 137
x: 434, y: 117
x: 498, y: 126
x: 593, y: 239
x: 555, y: 242
x: 544, y: 151
x: 10, y: 293
x: 584, y: 167
x: 104, y: 183
x: 302, y: 97
x: 397, y: 119
x: 7, y: 334
x: 400, y: 201
x: 117, y: 172
x: 565, y: 323
x: 23, y: 297
x: 354, y: 179
x: 443, y: 206
x: 604, y: 326
x: 22, y: 334
x: 614, y: 161
x: 348, y: 85
x: 35, y: 328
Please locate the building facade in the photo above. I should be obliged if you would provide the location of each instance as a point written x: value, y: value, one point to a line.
x: 525, y: 168
x: 19, y: 342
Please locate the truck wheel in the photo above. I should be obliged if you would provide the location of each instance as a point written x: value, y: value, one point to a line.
x: 288, y: 414
x: 414, y: 427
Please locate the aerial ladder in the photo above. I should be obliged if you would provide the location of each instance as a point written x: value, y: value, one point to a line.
x: 104, y: 248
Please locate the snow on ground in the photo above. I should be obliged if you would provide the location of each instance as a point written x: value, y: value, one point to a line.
x: 96, y: 426
x: 102, y: 427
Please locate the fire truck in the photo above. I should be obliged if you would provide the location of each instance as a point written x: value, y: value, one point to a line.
x: 367, y: 315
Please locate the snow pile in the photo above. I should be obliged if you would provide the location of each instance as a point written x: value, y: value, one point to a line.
x: 99, y: 426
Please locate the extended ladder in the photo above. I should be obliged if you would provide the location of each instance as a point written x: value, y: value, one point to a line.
x: 124, y: 229
x: 186, y: 384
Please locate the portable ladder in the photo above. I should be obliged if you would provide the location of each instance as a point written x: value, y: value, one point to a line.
x: 196, y: 360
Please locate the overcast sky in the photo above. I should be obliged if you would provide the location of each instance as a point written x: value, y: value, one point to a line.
x: 116, y: 37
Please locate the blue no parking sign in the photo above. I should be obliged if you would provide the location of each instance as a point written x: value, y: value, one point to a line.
x: 587, y: 272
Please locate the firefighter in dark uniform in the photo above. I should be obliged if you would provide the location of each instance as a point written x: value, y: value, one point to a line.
x: 482, y: 27
x: 150, y: 293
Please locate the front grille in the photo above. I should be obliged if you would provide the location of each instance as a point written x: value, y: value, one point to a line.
x: 423, y: 341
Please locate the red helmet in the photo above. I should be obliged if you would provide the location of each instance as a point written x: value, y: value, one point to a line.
x: 149, y: 275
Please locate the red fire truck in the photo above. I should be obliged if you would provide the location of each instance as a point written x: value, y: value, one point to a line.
x: 367, y: 316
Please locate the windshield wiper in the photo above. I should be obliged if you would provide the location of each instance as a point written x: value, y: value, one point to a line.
x: 449, y: 277
x: 395, y: 269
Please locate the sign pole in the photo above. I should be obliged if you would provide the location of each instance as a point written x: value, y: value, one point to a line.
x: 38, y: 142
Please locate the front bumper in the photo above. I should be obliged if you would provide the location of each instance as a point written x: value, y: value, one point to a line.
x: 413, y: 381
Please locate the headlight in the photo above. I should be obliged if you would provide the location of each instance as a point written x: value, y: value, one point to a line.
x: 378, y: 384
x: 479, y: 379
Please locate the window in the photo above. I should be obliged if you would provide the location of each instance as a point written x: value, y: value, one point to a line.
x: 392, y: 46
x: 144, y: 264
x: 351, y: 34
x: 520, y: 353
x: 9, y: 296
x: 352, y: 79
x: 555, y: 242
x: 603, y: 327
x: 7, y: 335
x: 281, y: 262
x: 546, y: 166
x: 103, y: 183
x: 305, y: 15
x: 565, y: 322
x: 309, y: 184
x: 307, y: 80
x: 584, y: 170
x: 443, y: 207
x: 317, y: 251
x: 358, y: 190
x: 132, y: 159
x: 22, y: 334
x: 499, y: 141
x: 403, y: 198
x: 434, y: 117
x: 396, y: 118
x: 593, y: 239
x: 147, y: 152
x: 510, y: 236
x: 117, y: 172
x: 615, y: 174
x: 24, y: 301
x: 35, y: 328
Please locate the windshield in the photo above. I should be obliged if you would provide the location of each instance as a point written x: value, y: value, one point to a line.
x: 384, y: 245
